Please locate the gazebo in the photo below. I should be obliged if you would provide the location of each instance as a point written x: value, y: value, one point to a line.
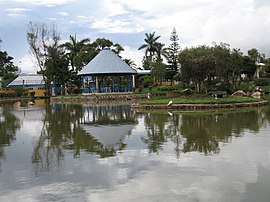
x: 107, y: 72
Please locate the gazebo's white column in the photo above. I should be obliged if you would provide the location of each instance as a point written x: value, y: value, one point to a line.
x: 133, y: 81
x: 97, y: 84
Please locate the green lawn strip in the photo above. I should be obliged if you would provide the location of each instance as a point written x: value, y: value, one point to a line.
x: 226, y: 100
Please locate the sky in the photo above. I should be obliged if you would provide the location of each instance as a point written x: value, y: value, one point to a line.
x: 243, y: 24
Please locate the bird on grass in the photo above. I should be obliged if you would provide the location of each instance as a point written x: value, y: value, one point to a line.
x: 170, y: 103
x: 148, y: 96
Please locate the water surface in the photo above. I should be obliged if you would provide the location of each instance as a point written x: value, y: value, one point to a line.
x: 65, y: 152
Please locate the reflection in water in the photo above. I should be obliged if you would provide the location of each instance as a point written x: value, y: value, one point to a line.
x: 9, y: 124
x: 259, y: 191
x: 108, y: 125
x: 201, y: 132
x: 93, y: 129
x: 105, y: 152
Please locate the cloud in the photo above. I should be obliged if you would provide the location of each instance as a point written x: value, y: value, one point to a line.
x: 116, y: 26
x: 26, y: 64
x: 133, y: 54
x: 44, y: 2
x: 13, y: 12
x: 64, y: 14
x: 243, y: 24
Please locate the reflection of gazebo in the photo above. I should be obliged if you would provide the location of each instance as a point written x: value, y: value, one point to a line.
x: 107, y: 72
x: 110, y: 136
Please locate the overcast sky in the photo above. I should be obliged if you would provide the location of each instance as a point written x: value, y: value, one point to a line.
x: 244, y: 24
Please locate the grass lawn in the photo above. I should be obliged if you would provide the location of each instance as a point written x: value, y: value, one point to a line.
x: 202, y: 100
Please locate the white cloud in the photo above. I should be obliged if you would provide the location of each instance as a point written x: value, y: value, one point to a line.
x: 244, y: 24
x: 64, y: 14
x: 115, y: 26
x: 26, y: 64
x: 44, y: 2
x: 134, y: 54
x: 239, y: 23
x: 82, y: 17
x: 16, y: 11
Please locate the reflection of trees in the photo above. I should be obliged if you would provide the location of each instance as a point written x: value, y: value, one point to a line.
x: 266, y: 114
x: 9, y: 124
x: 62, y: 129
x: 201, y: 132
x: 155, y: 124
x: 59, y: 126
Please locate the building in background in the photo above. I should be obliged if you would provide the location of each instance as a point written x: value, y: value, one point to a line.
x: 33, y: 84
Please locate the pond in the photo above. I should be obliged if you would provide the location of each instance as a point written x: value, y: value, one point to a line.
x: 108, y: 152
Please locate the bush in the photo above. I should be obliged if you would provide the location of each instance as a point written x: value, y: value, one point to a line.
x: 224, y: 87
x: 20, y: 91
x: 262, y: 81
x: 32, y: 94
x: 165, y: 88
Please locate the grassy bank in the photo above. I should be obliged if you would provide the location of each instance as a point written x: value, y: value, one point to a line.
x: 200, y: 100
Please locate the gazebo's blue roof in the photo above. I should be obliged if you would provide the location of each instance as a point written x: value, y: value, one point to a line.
x: 108, y: 63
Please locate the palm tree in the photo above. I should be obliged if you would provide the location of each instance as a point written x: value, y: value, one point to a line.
x: 161, y: 51
x: 74, y: 47
x: 150, y: 45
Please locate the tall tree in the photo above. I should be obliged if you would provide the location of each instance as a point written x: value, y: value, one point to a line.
x: 249, y: 67
x: 172, y: 55
x: 150, y: 46
x: 74, y: 48
x: 222, y: 60
x: 57, y: 66
x: 101, y: 43
x: 40, y: 37
x: 196, y: 63
x: 236, y: 66
x: 130, y: 62
x: 117, y: 48
x: 254, y: 55
x: 158, y: 70
x: 161, y: 51
x: 8, y: 71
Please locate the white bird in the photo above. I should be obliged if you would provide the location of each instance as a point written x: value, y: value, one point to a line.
x: 170, y: 103
x: 148, y: 96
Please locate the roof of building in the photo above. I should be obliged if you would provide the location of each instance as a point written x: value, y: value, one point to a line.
x: 27, y: 80
x: 143, y: 72
x: 107, y: 62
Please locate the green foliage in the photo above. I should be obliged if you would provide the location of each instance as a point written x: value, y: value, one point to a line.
x: 196, y: 63
x: 20, y: 91
x: 267, y: 68
x: 172, y: 53
x: 151, y: 46
x: 224, y: 87
x: 101, y: 43
x: 8, y: 71
x: 246, y: 85
x: 165, y: 88
x: 262, y: 81
x: 249, y: 67
x: 158, y: 70
x: 32, y: 94
x: 147, y: 80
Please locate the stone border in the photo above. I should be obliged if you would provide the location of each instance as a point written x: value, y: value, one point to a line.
x: 200, y: 106
x: 100, y: 97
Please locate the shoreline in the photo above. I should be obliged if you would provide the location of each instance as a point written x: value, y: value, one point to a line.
x: 200, y: 106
